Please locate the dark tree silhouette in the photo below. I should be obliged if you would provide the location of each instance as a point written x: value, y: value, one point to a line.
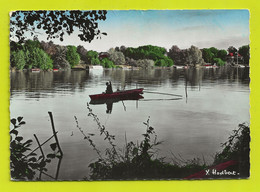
x: 49, y: 47
x: 245, y: 52
x: 179, y: 56
x: 82, y: 52
x: 56, y: 23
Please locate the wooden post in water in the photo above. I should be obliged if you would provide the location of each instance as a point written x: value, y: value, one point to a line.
x: 54, y: 133
x: 43, y: 157
x: 39, y: 145
x: 58, y: 169
x: 186, y: 91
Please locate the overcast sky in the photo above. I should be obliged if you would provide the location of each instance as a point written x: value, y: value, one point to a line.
x: 202, y: 28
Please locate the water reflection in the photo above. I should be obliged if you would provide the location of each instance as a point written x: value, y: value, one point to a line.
x: 109, y: 102
x: 194, y: 76
x: 43, y: 84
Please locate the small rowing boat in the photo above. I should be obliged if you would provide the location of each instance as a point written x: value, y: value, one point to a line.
x: 118, y: 94
x: 35, y: 70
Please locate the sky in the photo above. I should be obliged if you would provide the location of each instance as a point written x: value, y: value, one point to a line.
x: 165, y: 28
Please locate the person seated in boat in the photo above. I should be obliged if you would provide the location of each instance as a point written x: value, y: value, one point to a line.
x: 109, y: 89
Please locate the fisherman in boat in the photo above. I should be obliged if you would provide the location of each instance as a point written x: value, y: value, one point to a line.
x: 109, y: 89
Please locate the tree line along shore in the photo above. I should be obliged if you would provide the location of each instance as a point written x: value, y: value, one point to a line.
x: 33, y: 54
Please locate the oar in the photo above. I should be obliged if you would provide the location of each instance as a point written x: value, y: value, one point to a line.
x: 162, y: 93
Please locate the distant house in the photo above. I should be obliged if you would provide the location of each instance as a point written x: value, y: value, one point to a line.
x: 234, y: 58
x: 103, y: 55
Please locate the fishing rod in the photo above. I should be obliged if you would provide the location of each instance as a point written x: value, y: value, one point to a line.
x: 124, y: 105
x: 160, y: 99
x: 162, y: 93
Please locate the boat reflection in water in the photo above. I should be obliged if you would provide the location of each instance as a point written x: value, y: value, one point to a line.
x: 109, y: 102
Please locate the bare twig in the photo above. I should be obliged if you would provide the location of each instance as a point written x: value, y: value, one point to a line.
x: 87, y: 137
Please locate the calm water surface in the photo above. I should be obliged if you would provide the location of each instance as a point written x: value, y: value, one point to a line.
x: 213, y: 103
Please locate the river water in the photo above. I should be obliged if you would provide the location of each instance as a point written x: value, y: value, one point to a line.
x: 213, y: 103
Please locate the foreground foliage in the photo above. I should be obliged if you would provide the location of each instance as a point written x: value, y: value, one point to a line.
x: 140, y: 160
x: 55, y: 24
x: 237, y: 148
x: 24, y: 163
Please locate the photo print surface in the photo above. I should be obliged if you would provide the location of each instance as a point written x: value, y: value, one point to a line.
x: 129, y: 95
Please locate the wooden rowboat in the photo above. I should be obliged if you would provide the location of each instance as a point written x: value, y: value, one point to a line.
x: 118, y: 94
x: 35, y: 70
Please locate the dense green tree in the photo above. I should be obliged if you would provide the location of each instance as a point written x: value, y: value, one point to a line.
x: 35, y: 59
x: 39, y: 59
x: 222, y: 54
x: 32, y: 54
x: 166, y: 62
x: 32, y: 59
x: 92, y: 58
x: 27, y: 59
x: 56, y: 23
x: 160, y: 63
x: 218, y: 62
x: 207, y: 55
x: 214, y: 51
x: 43, y: 60
x: 244, y: 51
x: 148, y: 52
x: 107, y: 63
x: 145, y: 52
x: 169, y: 62
x: 18, y: 59
x: 72, y: 55
x: 95, y: 61
x: 90, y: 55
